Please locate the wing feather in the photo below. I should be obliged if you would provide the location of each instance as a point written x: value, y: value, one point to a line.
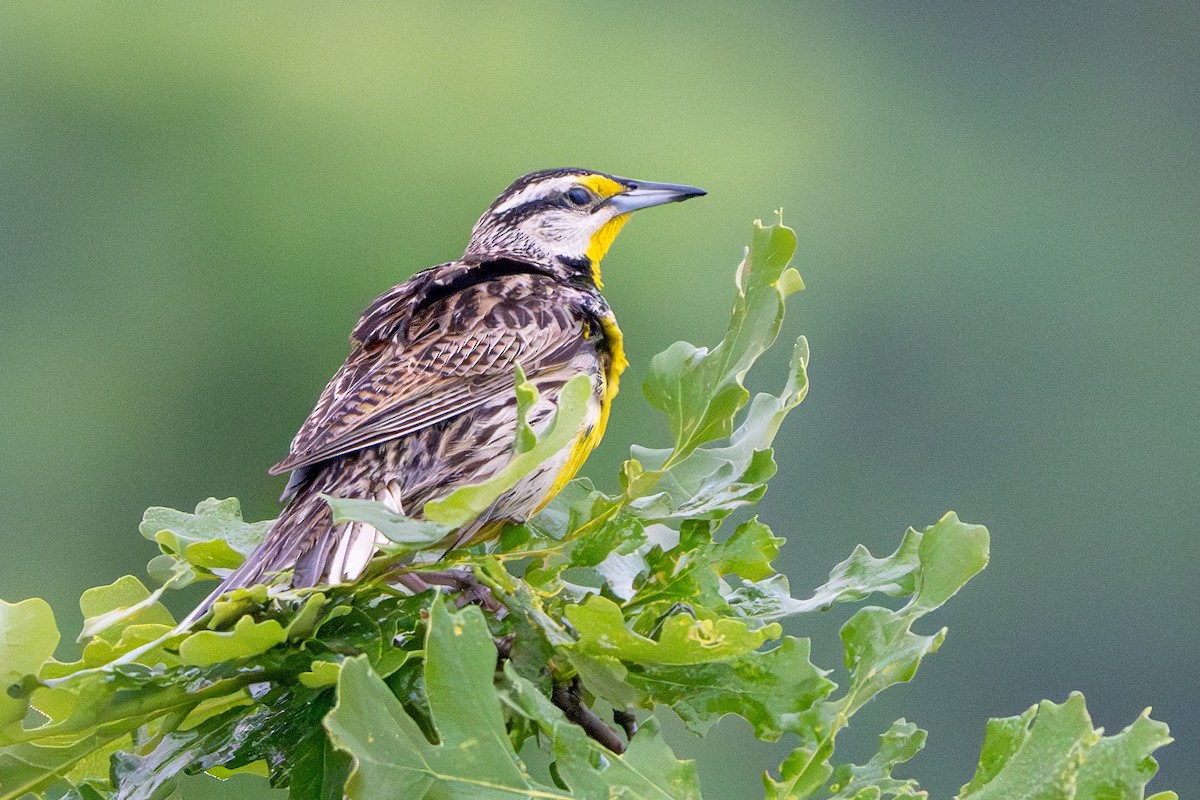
x: 455, y: 362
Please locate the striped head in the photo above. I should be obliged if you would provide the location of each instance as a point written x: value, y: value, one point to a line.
x: 565, y: 219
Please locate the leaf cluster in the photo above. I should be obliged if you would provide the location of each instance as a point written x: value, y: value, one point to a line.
x: 663, y: 594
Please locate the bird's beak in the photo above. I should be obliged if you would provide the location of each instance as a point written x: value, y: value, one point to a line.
x: 644, y: 194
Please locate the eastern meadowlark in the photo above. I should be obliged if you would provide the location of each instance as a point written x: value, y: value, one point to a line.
x: 425, y: 402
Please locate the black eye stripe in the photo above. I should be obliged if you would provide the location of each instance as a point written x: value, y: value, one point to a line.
x: 575, y: 197
x: 527, y: 209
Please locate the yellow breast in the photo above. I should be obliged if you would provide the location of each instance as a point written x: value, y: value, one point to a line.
x: 597, y: 418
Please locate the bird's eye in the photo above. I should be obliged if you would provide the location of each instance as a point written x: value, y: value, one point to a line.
x: 579, y: 196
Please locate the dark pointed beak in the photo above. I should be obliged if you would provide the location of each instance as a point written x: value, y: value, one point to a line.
x: 644, y: 194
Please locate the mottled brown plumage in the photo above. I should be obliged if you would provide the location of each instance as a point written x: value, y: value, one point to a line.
x: 425, y: 402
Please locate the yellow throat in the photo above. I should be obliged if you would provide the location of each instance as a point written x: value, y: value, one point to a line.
x: 602, y: 239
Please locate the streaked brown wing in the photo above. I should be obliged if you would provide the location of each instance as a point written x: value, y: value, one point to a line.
x: 390, y: 389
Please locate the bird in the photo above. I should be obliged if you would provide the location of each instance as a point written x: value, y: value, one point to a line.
x: 425, y: 402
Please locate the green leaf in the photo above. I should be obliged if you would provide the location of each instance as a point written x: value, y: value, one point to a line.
x: 579, y: 502
x: 248, y: 638
x: 620, y: 537
x: 224, y: 735
x: 283, y: 732
x: 527, y: 396
x: 323, y: 673
x: 1119, y: 767
x: 412, y: 534
x: 931, y: 566
x: 769, y: 689
x: 107, y: 610
x: 803, y: 772
x: 320, y: 776
x: 28, y: 636
x: 214, y: 537
x: 862, y: 575
x: 700, y: 390
x: 710, y: 482
x: 874, y: 779
x: 1045, y: 763
x: 1052, y: 752
x: 29, y: 769
x: 952, y: 552
x: 392, y: 758
x: 683, y: 576
x: 606, y: 677
x: 683, y: 639
x: 769, y: 599
x: 1003, y: 737
x: 459, y: 667
x: 473, y: 756
x: 881, y: 651
x: 748, y: 553
x: 151, y: 776
x: 100, y: 651
x: 648, y: 770
x: 466, y: 503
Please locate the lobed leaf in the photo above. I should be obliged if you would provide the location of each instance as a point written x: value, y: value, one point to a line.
x: 1052, y: 752
x: 30, y: 769
x: 1119, y: 767
x: 473, y: 757
x: 391, y: 756
x: 648, y: 770
x: 880, y: 647
x: 711, y: 482
x: 952, y: 552
x: 700, y: 390
x: 874, y: 779
x: 747, y: 553
x: 214, y: 537
x: 770, y: 690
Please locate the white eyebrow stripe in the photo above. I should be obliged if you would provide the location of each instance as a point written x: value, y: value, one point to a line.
x: 540, y: 189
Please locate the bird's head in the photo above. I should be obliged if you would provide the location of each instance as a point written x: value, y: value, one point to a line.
x: 565, y: 219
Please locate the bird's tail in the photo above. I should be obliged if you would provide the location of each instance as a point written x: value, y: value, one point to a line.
x: 303, y: 548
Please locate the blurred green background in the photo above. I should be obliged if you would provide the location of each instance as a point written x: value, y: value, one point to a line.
x: 999, y: 226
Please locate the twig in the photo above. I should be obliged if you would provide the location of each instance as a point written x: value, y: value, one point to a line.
x: 627, y: 721
x: 568, y: 696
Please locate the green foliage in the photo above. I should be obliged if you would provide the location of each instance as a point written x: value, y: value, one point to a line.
x: 193, y: 545
x: 622, y: 602
x: 1062, y: 753
x: 473, y: 755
